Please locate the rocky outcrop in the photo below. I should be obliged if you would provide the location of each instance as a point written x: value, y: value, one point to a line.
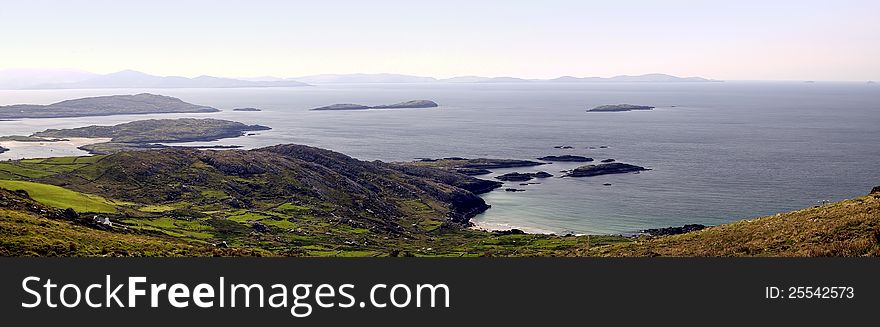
x: 607, y: 160
x: 512, y: 231
x: 472, y: 171
x: 475, y: 185
x: 566, y: 158
x: 875, y: 190
x: 673, y: 230
x: 604, y: 169
x: 2, y: 149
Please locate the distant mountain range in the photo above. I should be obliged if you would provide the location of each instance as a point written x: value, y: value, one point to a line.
x: 397, y: 78
x: 47, y: 79
x: 74, y: 79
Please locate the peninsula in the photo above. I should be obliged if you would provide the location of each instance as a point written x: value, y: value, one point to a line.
x: 143, y: 134
x: 144, y: 103
x: 402, y: 105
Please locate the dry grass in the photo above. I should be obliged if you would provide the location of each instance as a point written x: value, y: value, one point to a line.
x: 847, y: 228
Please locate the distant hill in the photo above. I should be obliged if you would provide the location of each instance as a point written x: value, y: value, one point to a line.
x: 631, y: 78
x: 136, y: 79
x: 363, y: 78
x: 24, y: 78
x: 143, y: 103
x: 657, y: 78
x: 74, y: 79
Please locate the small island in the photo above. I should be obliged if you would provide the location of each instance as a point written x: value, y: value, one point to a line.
x: 566, y: 158
x: 247, y: 109
x: 604, y: 169
x: 401, y: 105
x: 2, y: 149
x: 143, y: 134
x: 619, y: 108
x: 522, y: 177
x: 144, y: 103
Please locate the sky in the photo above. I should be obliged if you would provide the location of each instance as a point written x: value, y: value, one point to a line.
x: 729, y: 40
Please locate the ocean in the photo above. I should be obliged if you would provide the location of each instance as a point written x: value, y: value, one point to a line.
x: 719, y: 152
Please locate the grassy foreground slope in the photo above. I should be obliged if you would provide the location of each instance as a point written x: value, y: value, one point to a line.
x: 846, y: 228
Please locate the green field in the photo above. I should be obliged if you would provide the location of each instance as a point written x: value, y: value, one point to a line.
x: 60, y: 197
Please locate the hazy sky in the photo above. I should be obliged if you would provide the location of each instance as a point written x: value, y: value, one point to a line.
x: 803, y: 39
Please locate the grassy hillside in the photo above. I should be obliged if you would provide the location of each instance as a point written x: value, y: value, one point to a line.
x: 302, y: 201
x: 283, y: 200
x: 62, y: 198
x: 847, y: 228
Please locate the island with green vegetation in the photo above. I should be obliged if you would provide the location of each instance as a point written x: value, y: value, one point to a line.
x: 294, y: 200
x: 619, y: 107
x: 145, y: 134
x: 144, y: 103
x: 402, y: 105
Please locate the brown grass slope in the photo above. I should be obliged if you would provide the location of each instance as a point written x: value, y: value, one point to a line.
x: 846, y: 228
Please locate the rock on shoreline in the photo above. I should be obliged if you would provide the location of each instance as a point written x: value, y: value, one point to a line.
x: 673, y: 230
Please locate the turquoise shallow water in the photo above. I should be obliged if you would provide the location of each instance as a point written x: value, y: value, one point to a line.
x: 719, y: 151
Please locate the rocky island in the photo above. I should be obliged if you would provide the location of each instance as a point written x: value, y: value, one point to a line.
x: 2, y: 149
x: 619, y: 107
x: 401, y: 105
x: 604, y: 169
x: 522, y: 177
x: 247, y: 109
x: 144, y: 103
x: 143, y: 134
x: 566, y: 158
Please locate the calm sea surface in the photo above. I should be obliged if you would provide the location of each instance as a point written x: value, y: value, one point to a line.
x: 719, y: 151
